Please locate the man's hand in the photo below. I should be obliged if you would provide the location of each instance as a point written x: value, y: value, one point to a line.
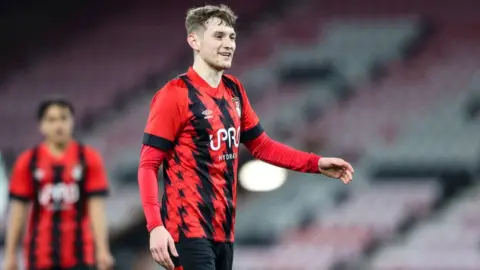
x: 160, y: 242
x: 336, y: 168
x: 10, y: 263
x: 105, y: 260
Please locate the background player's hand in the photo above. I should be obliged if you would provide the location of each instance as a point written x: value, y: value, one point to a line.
x: 10, y: 263
x: 105, y: 260
x: 336, y: 168
x: 160, y: 242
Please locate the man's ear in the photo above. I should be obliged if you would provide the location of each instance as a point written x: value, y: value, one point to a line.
x: 193, y: 41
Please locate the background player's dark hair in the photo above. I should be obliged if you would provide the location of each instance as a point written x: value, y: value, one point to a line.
x: 197, y: 17
x: 46, y: 104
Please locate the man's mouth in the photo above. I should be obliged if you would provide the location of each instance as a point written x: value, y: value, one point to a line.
x: 227, y: 54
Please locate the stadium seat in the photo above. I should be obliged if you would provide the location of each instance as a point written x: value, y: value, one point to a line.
x: 99, y: 66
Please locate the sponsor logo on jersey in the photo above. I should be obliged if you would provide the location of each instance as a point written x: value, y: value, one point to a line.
x: 59, y: 196
x: 229, y: 137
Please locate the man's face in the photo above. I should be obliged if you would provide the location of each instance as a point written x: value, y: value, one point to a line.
x: 57, y: 124
x: 216, y: 45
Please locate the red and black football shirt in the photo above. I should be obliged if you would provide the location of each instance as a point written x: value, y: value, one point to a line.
x: 200, y: 128
x: 58, y: 231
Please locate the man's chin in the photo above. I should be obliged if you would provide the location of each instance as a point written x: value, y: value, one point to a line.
x: 222, y: 66
x: 60, y: 140
x: 227, y: 66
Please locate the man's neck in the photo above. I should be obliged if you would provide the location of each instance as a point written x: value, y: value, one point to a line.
x: 57, y: 149
x: 206, y: 72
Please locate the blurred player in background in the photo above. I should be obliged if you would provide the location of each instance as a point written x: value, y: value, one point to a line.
x: 195, y: 126
x: 66, y: 184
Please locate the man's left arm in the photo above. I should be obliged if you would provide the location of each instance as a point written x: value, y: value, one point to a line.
x: 281, y: 155
x: 96, y: 188
x: 266, y: 149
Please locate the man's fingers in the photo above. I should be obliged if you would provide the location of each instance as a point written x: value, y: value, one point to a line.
x: 350, y: 168
x: 164, y: 253
x: 169, y: 264
x: 346, y: 177
x: 166, y: 258
x: 156, y: 255
x: 349, y: 177
x: 160, y: 255
x: 347, y: 166
x: 171, y: 246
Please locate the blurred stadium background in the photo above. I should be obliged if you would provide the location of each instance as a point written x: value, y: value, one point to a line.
x: 393, y: 86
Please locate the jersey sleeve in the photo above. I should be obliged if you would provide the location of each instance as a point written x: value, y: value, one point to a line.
x: 250, y: 126
x: 166, y: 118
x: 96, y: 180
x: 21, y: 182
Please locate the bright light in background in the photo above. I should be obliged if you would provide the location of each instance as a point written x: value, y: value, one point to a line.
x: 257, y: 175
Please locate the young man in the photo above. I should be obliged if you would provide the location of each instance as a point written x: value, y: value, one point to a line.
x: 66, y: 184
x: 195, y: 126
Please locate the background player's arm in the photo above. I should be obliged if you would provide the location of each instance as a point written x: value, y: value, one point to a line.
x: 21, y: 193
x: 16, y: 221
x: 96, y: 208
x: 96, y: 190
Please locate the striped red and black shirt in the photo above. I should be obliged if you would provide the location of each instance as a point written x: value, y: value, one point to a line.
x: 200, y: 128
x: 58, y: 232
x: 195, y: 130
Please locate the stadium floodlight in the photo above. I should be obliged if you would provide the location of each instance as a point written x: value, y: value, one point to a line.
x: 259, y: 176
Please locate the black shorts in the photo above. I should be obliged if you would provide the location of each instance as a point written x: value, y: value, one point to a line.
x: 203, y: 254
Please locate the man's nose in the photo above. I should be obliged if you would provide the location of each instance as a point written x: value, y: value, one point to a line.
x: 228, y: 44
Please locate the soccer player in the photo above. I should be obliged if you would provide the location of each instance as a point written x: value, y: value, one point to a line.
x: 194, y: 128
x: 65, y: 183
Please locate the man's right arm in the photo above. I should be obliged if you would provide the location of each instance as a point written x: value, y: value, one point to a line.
x: 150, y: 160
x: 165, y: 121
x: 21, y: 192
x: 160, y: 240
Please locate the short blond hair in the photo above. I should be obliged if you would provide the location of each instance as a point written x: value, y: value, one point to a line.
x: 198, y: 17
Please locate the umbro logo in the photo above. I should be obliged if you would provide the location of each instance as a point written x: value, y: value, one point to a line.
x: 207, y: 114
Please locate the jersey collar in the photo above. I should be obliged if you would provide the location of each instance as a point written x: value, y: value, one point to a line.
x: 199, y: 81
